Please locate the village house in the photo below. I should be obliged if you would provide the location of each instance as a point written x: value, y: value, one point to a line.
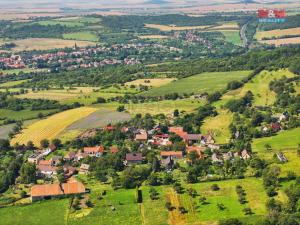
x: 48, y: 191
x: 133, y: 158
x: 84, y: 169
x: 245, y: 155
x: 198, y: 149
x: 141, y: 137
x: 167, y: 163
x: 160, y: 139
x: 216, y: 158
x: 35, y: 158
x: 70, y: 156
x: 173, y: 154
x: 94, y: 151
x: 228, y: 156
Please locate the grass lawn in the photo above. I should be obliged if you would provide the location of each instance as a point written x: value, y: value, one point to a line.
x: 47, y: 212
x: 81, y: 36
x: 205, y: 82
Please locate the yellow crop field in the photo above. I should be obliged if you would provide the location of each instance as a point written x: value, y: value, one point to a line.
x: 173, y: 27
x: 47, y: 43
x: 52, y: 126
x: 156, y: 82
x: 282, y: 41
x: 277, y: 33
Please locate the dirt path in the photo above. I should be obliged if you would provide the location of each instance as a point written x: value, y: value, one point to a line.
x: 175, y: 218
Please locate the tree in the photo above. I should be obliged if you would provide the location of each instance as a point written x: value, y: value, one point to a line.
x: 231, y: 222
x: 44, y: 143
x: 154, y: 179
x: 56, y: 142
x: 30, y: 145
x: 28, y: 173
x: 121, y: 108
x: 4, y: 145
x: 176, y: 113
x: 215, y: 187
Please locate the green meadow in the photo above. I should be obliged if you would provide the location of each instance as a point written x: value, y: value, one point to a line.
x: 81, y: 36
x: 205, y: 82
x: 232, y: 36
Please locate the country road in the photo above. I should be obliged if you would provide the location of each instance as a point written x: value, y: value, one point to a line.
x: 243, y: 35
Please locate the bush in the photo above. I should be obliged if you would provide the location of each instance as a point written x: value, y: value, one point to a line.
x: 214, y: 187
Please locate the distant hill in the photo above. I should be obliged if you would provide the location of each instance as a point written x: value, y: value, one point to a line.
x: 157, y: 2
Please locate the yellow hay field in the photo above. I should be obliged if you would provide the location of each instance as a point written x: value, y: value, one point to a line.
x: 52, y: 126
x: 157, y: 82
x: 153, y: 37
x: 283, y: 41
x: 277, y: 33
x: 173, y: 27
x: 47, y: 43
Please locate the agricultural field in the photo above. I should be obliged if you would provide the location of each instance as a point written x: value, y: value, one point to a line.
x: 18, y: 71
x: 259, y: 86
x: 165, y: 107
x: 232, y: 36
x: 25, y: 114
x: 47, y: 44
x: 173, y: 28
x: 226, y: 26
x: 156, y: 82
x: 6, y: 129
x: 83, y: 95
x: 81, y: 36
x: 52, y: 126
x: 67, y: 23
x: 12, y: 83
x: 282, y: 41
x: 277, y: 33
x: 205, y: 82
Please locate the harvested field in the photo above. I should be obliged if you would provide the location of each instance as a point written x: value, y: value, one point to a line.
x: 277, y: 33
x: 282, y: 41
x: 47, y: 43
x: 156, y: 82
x: 99, y: 119
x: 52, y: 126
x: 173, y: 27
x: 226, y: 26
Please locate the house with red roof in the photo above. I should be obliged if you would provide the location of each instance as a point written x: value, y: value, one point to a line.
x: 94, y: 151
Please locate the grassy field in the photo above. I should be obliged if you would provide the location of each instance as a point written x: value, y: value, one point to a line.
x: 282, y: 41
x: 67, y: 23
x: 12, y: 83
x: 23, y: 114
x: 226, y: 26
x: 6, y: 129
x: 83, y: 95
x: 81, y: 36
x: 232, y: 36
x: 165, y: 107
x: 17, y: 71
x: 218, y: 126
x: 205, y: 82
x: 47, y: 212
x: 259, y: 86
x: 173, y: 28
x: 283, y: 140
x: 277, y: 33
x: 47, y: 44
x: 286, y: 142
x: 156, y: 82
x: 149, y: 212
x: 52, y: 126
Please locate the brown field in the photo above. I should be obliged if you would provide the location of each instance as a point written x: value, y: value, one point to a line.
x: 47, y: 43
x: 277, y: 33
x: 173, y: 27
x: 157, y: 82
x: 153, y: 37
x: 283, y: 41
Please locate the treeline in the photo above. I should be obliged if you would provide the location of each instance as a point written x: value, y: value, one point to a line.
x: 133, y: 22
x: 34, y: 31
x: 290, y: 22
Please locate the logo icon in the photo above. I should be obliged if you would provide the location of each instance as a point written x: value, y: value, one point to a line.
x: 271, y: 15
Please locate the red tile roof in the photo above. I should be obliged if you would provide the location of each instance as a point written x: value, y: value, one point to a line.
x: 57, y: 189
x: 141, y: 137
x: 94, y: 149
x: 171, y: 153
x: 134, y: 157
x: 114, y: 149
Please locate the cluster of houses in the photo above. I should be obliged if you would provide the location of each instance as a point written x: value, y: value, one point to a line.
x: 194, y: 143
x: 277, y: 126
x: 12, y: 62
